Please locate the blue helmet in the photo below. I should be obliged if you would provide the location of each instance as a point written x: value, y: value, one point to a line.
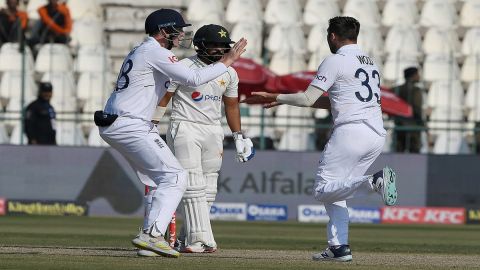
x: 164, y: 18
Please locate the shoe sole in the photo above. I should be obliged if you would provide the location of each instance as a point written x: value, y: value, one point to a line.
x: 389, y: 187
x: 146, y: 246
x: 346, y: 258
x: 146, y: 253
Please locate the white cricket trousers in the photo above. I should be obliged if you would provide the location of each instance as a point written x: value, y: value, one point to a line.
x: 350, y: 151
x: 199, y: 149
x: 156, y: 166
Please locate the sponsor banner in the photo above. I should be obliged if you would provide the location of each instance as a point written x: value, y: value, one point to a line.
x: 268, y: 212
x: 47, y: 208
x: 312, y: 213
x: 228, y: 211
x: 473, y: 216
x: 317, y: 213
x: 423, y: 215
x: 3, y: 206
x: 364, y: 214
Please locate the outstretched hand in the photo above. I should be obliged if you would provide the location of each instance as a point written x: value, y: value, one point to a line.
x: 235, y: 52
x: 268, y: 100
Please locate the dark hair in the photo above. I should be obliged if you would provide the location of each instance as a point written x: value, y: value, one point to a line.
x: 409, y: 72
x: 44, y: 87
x: 344, y: 27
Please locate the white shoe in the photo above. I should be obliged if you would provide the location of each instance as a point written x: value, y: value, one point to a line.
x: 197, y: 247
x: 156, y: 244
x: 146, y: 253
x: 384, y: 182
x: 341, y: 254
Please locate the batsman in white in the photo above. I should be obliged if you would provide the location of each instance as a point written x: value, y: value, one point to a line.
x: 195, y: 136
x: 352, y: 80
x: 126, y: 124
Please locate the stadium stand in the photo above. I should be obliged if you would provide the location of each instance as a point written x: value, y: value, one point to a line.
x: 441, y: 37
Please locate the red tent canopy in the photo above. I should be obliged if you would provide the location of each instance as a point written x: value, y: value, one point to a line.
x: 299, y: 81
x: 252, y: 76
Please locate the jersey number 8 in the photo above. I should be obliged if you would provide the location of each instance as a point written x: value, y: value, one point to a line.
x: 126, y: 68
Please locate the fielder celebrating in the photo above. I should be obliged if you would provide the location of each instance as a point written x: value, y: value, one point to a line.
x: 353, y: 82
x: 195, y: 136
x: 125, y: 123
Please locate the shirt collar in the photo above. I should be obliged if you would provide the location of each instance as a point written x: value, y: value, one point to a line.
x: 349, y: 47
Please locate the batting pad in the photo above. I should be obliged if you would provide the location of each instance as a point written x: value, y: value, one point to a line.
x: 211, y: 193
x: 197, y: 219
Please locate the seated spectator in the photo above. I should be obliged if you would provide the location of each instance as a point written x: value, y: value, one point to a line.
x: 54, y: 26
x: 13, y: 22
x: 40, y: 118
x: 410, y: 140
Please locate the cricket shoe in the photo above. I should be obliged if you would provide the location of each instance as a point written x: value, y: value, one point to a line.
x: 384, y: 182
x: 340, y: 253
x: 156, y: 244
x: 146, y: 253
x: 197, y: 247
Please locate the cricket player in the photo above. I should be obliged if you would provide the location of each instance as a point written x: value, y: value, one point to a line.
x: 195, y: 136
x: 126, y: 124
x: 352, y: 80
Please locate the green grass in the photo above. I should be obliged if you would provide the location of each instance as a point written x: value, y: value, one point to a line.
x: 116, y: 233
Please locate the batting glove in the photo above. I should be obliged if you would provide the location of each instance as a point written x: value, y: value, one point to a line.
x: 245, y: 150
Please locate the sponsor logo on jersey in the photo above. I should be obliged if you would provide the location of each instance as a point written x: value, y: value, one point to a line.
x: 173, y: 59
x: 317, y: 213
x: 425, y: 215
x: 321, y: 78
x: 167, y: 84
x: 228, y: 211
x: 266, y: 212
x: 197, y: 96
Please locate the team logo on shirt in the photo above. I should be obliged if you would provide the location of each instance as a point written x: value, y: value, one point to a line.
x: 197, y: 96
x: 321, y: 78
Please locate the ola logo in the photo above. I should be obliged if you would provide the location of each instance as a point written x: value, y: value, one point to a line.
x: 197, y: 96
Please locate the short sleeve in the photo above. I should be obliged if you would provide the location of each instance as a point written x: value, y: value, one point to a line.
x: 232, y: 87
x: 326, y: 74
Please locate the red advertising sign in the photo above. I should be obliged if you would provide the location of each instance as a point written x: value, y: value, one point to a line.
x: 3, y: 207
x: 423, y: 215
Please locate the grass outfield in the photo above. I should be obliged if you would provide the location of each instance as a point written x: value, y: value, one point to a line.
x: 104, y: 243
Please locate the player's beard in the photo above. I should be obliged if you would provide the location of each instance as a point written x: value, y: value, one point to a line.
x: 212, y: 57
x: 333, y: 48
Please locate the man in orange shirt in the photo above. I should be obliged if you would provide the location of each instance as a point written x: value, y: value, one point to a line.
x: 55, y: 24
x: 13, y: 22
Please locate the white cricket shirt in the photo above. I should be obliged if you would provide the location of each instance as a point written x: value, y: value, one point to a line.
x: 202, y: 104
x: 352, y: 81
x: 145, y: 76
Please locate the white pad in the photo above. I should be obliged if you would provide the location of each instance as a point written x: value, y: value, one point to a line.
x: 197, y: 222
x: 211, y: 193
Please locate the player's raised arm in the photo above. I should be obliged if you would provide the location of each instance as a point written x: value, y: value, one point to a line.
x: 167, y: 63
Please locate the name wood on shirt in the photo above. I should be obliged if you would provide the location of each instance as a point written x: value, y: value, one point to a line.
x: 364, y: 60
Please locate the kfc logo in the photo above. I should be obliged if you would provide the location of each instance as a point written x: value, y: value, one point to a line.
x: 423, y: 215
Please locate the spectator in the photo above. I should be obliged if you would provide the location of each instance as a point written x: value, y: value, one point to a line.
x: 410, y: 140
x: 55, y: 24
x: 13, y: 22
x: 40, y: 118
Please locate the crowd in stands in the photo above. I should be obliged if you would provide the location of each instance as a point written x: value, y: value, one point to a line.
x: 428, y: 52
